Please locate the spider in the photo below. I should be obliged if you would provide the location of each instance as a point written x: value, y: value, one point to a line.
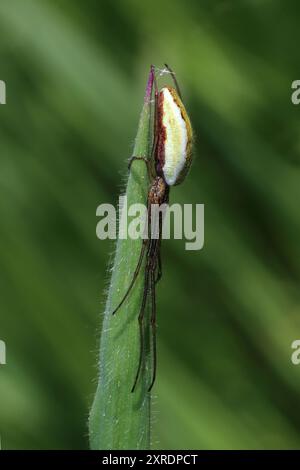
x: 168, y: 165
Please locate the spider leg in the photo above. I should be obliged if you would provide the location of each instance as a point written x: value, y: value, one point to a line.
x: 174, y: 80
x: 153, y: 327
x: 135, y: 275
x: 145, y: 246
x: 149, y: 162
x: 155, y: 124
x: 141, y: 328
x: 159, y: 263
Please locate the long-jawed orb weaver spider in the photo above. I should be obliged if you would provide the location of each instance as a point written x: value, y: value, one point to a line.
x: 168, y: 165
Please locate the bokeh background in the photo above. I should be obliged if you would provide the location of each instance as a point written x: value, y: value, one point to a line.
x: 75, y: 74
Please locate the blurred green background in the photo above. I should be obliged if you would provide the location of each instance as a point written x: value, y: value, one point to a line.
x: 75, y: 73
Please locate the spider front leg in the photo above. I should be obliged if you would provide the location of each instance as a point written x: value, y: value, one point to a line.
x: 174, y: 80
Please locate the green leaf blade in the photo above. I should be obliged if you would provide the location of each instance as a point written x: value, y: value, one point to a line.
x: 120, y: 419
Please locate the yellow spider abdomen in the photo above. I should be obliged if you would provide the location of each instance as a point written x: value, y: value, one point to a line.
x: 175, y: 137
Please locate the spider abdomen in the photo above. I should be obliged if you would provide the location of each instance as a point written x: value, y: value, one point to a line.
x: 175, y: 136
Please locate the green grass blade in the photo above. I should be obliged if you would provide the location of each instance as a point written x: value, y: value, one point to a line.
x: 120, y: 419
